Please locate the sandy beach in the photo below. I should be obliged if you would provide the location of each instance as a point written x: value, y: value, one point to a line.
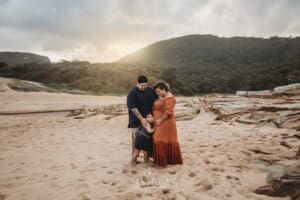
x: 52, y: 155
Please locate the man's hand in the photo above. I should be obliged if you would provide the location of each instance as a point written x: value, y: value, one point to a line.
x: 139, y: 116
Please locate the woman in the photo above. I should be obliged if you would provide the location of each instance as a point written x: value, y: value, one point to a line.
x: 166, y: 149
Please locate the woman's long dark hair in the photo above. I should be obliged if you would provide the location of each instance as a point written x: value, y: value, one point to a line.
x: 162, y: 85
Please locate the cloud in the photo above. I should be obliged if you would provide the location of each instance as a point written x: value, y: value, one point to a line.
x: 104, y: 31
x: 3, y: 2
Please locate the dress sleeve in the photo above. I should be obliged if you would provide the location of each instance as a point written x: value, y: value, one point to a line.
x: 169, y: 107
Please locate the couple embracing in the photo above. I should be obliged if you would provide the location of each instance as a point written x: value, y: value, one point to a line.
x: 152, y: 123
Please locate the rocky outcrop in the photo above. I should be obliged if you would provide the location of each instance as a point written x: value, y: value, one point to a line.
x: 11, y: 84
x: 254, y: 93
x: 109, y: 111
x: 290, y: 90
x: 283, y: 112
x: 4, y: 82
x: 185, y: 110
x: 287, y: 184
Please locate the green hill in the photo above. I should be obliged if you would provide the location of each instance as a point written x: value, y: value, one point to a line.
x: 234, y: 52
x: 206, y: 63
x: 18, y: 58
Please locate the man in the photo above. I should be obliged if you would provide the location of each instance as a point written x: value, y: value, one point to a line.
x: 140, y: 100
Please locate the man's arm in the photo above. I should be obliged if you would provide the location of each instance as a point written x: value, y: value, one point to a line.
x: 132, y: 105
x: 138, y: 115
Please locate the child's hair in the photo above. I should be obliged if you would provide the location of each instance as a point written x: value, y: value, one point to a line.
x: 147, y: 113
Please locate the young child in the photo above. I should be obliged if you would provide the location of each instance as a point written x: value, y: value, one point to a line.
x: 143, y: 140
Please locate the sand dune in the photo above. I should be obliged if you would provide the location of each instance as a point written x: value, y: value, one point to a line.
x: 56, y: 156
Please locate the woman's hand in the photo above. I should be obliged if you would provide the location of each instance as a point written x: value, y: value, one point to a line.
x: 150, y: 130
x: 158, y: 122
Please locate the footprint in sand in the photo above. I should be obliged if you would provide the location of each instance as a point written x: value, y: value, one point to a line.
x: 218, y: 169
x: 172, y: 171
x: 206, y: 161
x: 125, y: 171
x: 211, y: 155
x: 233, y: 180
x: 83, y: 196
x: 73, y: 166
x: 89, y: 157
x: 198, y: 183
x: 2, y: 196
x: 205, y: 185
x: 229, y: 158
x: 228, y: 195
x: 105, y: 182
x: 87, y: 170
x: 54, y: 167
x: 110, y: 172
x: 113, y: 183
x: 53, y: 178
x: 81, y: 179
x: 232, y: 177
x: 19, y: 177
x: 90, y: 168
x: 192, y: 174
x: 120, y: 189
x: 55, y: 185
x: 201, y: 151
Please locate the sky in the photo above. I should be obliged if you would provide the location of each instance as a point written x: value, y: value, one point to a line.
x: 107, y: 30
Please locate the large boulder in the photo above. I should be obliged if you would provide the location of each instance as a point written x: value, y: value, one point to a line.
x: 292, y: 89
x: 287, y: 184
x: 186, y: 109
x: 287, y: 88
x: 254, y: 93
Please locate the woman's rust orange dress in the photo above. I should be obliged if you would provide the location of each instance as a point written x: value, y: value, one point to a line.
x: 166, y: 149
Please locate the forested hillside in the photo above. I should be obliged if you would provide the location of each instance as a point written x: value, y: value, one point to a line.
x: 193, y: 64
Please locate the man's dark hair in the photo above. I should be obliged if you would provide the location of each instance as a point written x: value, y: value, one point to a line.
x: 142, y: 79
